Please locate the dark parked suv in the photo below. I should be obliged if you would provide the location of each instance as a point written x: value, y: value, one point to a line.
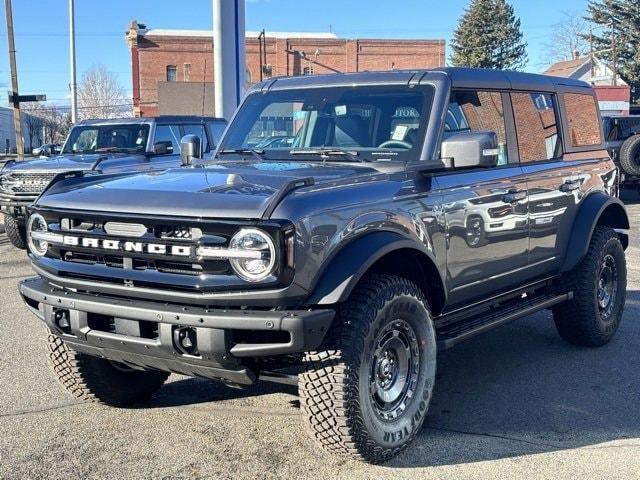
x: 114, y: 145
x: 410, y: 211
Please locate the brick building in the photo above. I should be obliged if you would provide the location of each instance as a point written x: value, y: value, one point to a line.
x: 172, y: 70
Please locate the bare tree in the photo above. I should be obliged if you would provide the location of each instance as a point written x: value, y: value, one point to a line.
x: 100, y: 95
x: 567, y: 39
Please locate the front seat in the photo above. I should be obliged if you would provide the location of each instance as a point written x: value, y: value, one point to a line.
x: 118, y: 141
x: 350, y: 131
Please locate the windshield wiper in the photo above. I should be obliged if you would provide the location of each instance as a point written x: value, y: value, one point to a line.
x: 328, y: 152
x: 258, y: 154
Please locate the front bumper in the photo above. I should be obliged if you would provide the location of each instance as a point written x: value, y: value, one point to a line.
x: 16, y: 206
x: 142, y: 333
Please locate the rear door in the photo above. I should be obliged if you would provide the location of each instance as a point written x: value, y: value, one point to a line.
x: 551, y: 179
x: 485, y: 209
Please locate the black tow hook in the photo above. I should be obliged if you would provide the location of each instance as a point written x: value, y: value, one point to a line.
x: 185, y: 340
x: 61, y: 319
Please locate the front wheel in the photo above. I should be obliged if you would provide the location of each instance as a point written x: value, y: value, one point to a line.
x: 15, y: 232
x: 599, y: 285
x: 94, y: 379
x: 366, y: 394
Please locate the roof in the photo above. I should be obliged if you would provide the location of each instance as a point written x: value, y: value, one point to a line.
x: 140, y: 120
x: 459, y: 77
x: 161, y: 32
x: 567, y: 68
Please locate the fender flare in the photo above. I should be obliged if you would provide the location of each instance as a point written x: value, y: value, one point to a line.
x: 589, y: 215
x: 348, y: 266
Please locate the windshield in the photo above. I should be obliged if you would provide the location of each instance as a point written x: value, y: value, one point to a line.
x: 107, y: 138
x: 373, y: 122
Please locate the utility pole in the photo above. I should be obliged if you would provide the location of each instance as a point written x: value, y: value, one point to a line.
x: 614, y: 53
x: 72, y: 61
x: 14, y: 98
x: 229, y: 65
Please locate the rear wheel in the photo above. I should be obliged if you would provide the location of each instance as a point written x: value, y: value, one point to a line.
x: 15, y: 232
x: 95, y: 379
x: 366, y: 394
x: 599, y: 286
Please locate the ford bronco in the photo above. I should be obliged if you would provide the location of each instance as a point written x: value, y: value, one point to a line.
x: 114, y: 145
x: 398, y: 214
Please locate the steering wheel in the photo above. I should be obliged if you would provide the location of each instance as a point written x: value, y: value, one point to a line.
x: 395, y: 143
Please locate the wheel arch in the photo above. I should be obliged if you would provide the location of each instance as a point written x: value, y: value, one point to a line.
x: 379, y: 252
x: 598, y: 209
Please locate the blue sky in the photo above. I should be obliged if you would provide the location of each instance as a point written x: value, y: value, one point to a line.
x: 41, y: 28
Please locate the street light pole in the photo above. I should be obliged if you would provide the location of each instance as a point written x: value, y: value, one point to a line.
x: 15, y: 99
x: 72, y: 61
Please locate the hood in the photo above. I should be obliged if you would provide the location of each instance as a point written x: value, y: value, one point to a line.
x: 223, y: 190
x: 62, y: 163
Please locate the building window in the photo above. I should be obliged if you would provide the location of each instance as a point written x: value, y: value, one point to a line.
x: 171, y: 73
x: 308, y: 70
x: 187, y: 72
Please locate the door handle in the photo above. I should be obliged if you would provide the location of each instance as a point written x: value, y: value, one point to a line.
x: 514, y: 196
x: 570, y: 186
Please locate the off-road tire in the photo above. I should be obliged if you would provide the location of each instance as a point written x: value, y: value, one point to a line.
x: 16, y: 233
x: 94, y: 379
x: 630, y: 155
x: 582, y: 321
x: 334, y: 388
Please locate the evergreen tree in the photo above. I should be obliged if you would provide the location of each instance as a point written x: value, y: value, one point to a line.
x: 489, y: 36
x: 617, y: 36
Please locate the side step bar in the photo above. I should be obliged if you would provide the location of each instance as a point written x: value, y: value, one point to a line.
x: 452, y: 334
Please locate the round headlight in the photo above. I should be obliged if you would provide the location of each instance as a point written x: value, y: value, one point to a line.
x: 256, y: 254
x: 37, y: 224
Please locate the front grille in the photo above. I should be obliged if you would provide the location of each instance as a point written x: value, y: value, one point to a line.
x: 26, y: 183
x: 153, y: 253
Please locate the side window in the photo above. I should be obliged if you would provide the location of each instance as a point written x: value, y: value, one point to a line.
x: 478, y: 111
x: 168, y: 133
x: 216, y: 129
x: 536, y: 126
x: 582, y: 119
x: 199, y: 131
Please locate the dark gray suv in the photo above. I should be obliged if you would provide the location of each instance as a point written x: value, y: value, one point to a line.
x: 112, y: 145
x: 398, y: 214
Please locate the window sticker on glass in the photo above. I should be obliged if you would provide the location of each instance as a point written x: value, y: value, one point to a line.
x: 400, y: 132
x: 341, y: 110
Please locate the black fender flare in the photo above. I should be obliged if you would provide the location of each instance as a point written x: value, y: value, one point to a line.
x: 591, y: 213
x: 349, y: 265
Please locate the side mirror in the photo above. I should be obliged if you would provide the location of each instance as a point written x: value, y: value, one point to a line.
x: 471, y: 149
x: 189, y: 149
x: 163, y: 147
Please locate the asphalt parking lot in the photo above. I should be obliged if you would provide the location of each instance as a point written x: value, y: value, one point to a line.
x: 514, y: 403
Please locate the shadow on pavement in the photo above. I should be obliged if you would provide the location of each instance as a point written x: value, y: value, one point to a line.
x: 520, y: 384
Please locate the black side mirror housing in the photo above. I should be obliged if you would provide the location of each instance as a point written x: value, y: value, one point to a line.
x: 471, y: 149
x: 190, y: 149
x: 163, y: 147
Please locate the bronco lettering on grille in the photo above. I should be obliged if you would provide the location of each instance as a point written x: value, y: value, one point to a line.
x: 128, y: 246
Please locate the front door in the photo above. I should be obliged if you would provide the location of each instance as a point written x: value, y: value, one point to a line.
x: 485, y: 209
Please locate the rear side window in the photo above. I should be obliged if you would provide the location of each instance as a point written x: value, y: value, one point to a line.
x: 477, y: 111
x: 582, y: 119
x: 536, y: 126
x: 198, y: 130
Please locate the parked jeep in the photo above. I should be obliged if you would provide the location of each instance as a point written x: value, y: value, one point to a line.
x: 622, y: 135
x: 114, y: 145
x: 332, y: 264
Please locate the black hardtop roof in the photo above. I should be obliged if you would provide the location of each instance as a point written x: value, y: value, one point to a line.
x: 162, y: 119
x: 459, y: 77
